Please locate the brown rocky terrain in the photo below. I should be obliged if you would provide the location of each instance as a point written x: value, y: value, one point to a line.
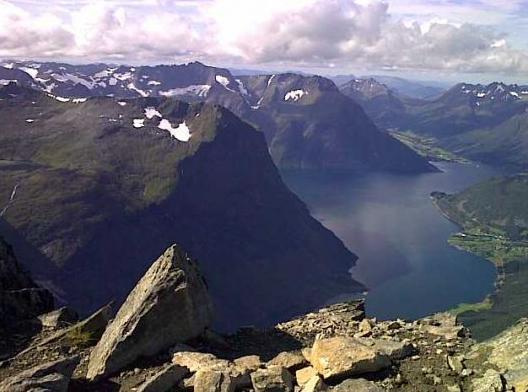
x: 160, y: 341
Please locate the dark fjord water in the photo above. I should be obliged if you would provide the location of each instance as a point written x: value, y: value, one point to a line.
x: 390, y: 222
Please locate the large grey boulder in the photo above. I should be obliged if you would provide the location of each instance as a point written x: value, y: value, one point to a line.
x: 357, y: 385
x: 169, y: 305
x: 49, y: 377
x: 59, y: 318
x: 272, y: 379
x: 342, y: 357
x: 164, y: 380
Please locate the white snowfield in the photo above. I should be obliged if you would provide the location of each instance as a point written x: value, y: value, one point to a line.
x: 222, y: 80
x: 5, y: 82
x: 181, y: 132
x: 294, y: 95
x: 241, y: 87
x: 197, y: 89
x: 139, y: 122
x: 151, y: 112
x: 132, y: 86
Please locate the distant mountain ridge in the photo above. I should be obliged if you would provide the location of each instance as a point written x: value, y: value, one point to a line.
x: 380, y: 102
x: 323, y: 139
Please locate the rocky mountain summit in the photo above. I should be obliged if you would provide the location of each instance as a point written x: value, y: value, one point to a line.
x: 160, y: 340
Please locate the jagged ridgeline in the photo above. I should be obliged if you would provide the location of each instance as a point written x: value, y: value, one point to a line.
x: 94, y: 188
x: 307, y: 121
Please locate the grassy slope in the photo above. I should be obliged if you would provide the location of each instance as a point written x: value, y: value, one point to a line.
x: 427, y: 147
x: 494, y: 216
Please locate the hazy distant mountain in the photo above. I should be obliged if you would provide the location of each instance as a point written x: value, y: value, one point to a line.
x: 411, y: 88
x: 382, y: 104
x: 327, y: 136
x: 399, y: 86
x: 98, y: 187
x: 482, y: 122
x: 467, y: 107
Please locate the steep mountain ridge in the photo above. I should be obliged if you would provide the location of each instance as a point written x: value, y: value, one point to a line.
x: 381, y: 103
x: 309, y: 123
x: 103, y: 184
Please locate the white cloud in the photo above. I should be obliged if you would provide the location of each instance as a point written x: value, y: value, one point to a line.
x: 401, y: 34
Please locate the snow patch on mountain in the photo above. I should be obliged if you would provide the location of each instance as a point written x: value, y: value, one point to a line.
x: 5, y: 82
x: 139, y: 123
x: 197, y: 89
x: 295, y: 95
x: 74, y: 79
x: 123, y: 76
x: 151, y: 112
x: 132, y: 86
x: 241, y: 87
x: 222, y: 80
x: 30, y: 71
x: 153, y: 82
x: 181, y: 132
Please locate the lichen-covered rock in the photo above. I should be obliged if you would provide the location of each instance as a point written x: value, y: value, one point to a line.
x: 272, y: 379
x: 508, y: 352
x: 164, y: 380
x: 59, y: 318
x: 291, y: 360
x: 304, y: 375
x: 342, y: 357
x: 357, y: 385
x: 248, y: 363
x: 49, y: 377
x: 195, y: 361
x: 491, y: 381
x: 210, y: 380
x: 314, y: 384
x: 169, y: 305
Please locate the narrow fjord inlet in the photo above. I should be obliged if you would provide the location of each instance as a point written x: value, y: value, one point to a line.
x: 401, y: 237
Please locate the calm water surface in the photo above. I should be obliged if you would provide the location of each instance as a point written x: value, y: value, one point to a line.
x: 390, y: 222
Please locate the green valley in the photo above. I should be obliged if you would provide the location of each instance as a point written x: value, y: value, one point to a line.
x: 492, y: 216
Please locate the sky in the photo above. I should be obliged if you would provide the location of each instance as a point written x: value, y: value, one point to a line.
x: 440, y: 40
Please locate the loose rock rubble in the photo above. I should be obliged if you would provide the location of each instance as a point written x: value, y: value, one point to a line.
x: 334, y: 349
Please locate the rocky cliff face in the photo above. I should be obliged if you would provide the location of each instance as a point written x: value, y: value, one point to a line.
x: 20, y: 297
x: 103, y: 184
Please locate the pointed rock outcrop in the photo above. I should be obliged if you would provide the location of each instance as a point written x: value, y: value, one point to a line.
x: 20, y: 297
x: 52, y: 377
x: 169, y: 305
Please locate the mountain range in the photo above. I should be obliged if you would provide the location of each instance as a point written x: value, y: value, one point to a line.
x: 307, y: 121
x: 486, y: 123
